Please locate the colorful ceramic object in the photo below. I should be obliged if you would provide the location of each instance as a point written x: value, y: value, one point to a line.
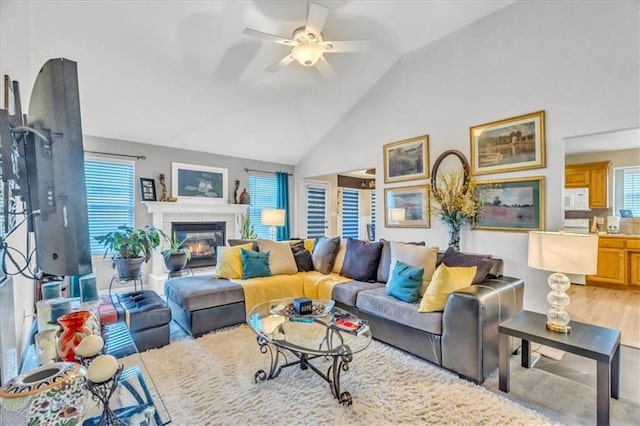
x: 74, y: 330
x: 51, y: 395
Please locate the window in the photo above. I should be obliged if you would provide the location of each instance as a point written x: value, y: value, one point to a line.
x: 262, y: 191
x: 627, y: 189
x: 316, y: 210
x: 373, y: 215
x: 110, y: 192
x: 350, y: 214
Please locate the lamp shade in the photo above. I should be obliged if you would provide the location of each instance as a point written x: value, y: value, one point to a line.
x: 397, y: 215
x: 307, y: 53
x: 272, y: 217
x: 563, y: 252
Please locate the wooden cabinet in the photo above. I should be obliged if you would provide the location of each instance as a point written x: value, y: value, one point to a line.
x: 594, y: 176
x: 618, y: 263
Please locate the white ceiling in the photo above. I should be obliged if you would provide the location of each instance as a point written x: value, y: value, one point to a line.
x: 181, y: 74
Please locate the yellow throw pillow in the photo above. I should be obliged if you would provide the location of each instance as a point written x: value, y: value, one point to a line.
x: 309, y: 243
x: 416, y: 256
x: 229, y: 261
x: 445, y: 280
x: 281, y: 260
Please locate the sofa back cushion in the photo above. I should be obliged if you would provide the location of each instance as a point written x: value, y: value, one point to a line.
x: 255, y: 264
x: 235, y: 242
x: 324, y: 254
x: 339, y: 261
x: 385, y: 260
x: 484, y: 264
x: 281, y: 260
x: 361, y: 260
x: 417, y: 256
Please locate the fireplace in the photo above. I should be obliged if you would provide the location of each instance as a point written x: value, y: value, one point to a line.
x: 201, y: 238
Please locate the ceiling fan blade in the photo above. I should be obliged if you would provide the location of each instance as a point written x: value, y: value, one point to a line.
x: 325, y: 68
x: 347, y: 46
x: 280, y: 64
x: 315, y: 19
x: 270, y: 37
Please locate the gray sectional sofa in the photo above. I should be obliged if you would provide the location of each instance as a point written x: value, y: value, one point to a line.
x: 462, y: 338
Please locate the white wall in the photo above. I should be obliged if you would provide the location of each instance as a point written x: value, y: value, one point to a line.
x: 578, y: 61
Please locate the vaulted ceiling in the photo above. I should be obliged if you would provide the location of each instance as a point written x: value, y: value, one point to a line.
x: 181, y: 74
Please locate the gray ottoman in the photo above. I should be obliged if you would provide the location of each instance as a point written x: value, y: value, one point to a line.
x: 147, y: 316
x: 201, y: 303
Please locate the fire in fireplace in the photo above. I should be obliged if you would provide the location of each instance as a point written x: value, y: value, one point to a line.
x: 201, y: 238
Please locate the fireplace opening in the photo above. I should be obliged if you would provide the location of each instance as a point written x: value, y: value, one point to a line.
x: 201, y: 238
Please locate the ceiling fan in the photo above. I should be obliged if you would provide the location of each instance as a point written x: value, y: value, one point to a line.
x: 308, y: 43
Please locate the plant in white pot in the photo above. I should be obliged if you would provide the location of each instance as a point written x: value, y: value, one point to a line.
x: 176, y: 256
x: 131, y: 248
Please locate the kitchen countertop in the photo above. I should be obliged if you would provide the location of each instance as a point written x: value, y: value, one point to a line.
x: 627, y: 236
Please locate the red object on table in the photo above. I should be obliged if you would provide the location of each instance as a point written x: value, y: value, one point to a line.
x: 74, y: 330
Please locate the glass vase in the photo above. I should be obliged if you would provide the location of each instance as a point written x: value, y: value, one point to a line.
x: 454, y: 236
x: 73, y: 331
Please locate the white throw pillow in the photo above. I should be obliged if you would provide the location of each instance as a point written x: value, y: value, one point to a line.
x: 281, y: 260
x: 417, y: 256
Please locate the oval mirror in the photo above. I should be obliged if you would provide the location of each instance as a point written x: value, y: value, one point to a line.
x: 449, y: 162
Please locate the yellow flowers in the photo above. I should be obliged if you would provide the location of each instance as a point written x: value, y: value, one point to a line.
x: 454, y: 199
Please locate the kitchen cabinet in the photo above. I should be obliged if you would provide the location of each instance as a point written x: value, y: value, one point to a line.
x: 618, y: 262
x: 594, y: 176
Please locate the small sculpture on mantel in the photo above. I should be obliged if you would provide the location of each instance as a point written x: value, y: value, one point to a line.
x: 244, y: 197
x: 235, y: 192
x: 164, y: 188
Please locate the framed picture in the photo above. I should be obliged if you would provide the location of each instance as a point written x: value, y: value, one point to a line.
x: 407, y: 207
x: 511, y: 204
x: 199, y: 183
x: 147, y: 189
x: 516, y: 143
x: 406, y: 160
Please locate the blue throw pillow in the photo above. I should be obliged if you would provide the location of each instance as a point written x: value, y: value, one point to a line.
x: 255, y: 264
x: 405, y: 282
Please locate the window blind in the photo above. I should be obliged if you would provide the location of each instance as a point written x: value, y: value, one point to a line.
x: 316, y: 211
x: 262, y: 191
x: 110, y: 192
x: 350, y: 214
x: 631, y: 185
x: 373, y: 210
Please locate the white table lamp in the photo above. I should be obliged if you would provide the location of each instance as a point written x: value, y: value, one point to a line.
x: 569, y: 253
x: 272, y: 218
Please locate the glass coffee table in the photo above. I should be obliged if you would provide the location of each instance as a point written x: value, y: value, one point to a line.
x: 136, y: 400
x: 280, y: 332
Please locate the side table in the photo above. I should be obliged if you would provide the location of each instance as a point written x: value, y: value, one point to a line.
x: 590, y: 341
x: 136, y: 280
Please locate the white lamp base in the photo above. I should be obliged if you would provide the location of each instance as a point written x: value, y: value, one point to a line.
x: 272, y: 233
x: 557, y: 317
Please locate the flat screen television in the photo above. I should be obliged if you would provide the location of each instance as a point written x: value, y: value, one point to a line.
x: 55, y: 172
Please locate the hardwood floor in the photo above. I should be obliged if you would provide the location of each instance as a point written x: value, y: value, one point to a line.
x: 617, y: 309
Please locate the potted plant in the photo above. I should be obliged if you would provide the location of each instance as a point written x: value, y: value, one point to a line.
x: 176, y: 256
x: 247, y: 231
x: 131, y: 248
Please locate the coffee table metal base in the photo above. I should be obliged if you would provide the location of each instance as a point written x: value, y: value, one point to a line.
x: 340, y: 363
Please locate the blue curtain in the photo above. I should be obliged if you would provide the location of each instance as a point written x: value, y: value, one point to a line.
x: 282, y: 202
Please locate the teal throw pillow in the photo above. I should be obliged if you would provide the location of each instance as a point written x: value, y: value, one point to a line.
x: 405, y: 282
x: 255, y: 264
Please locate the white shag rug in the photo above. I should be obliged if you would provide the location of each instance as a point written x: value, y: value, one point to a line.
x: 210, y: 380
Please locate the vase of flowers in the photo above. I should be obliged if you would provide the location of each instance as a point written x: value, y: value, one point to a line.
x: 455, y: 203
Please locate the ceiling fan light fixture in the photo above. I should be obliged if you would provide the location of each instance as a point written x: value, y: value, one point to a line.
x: 308, y: 54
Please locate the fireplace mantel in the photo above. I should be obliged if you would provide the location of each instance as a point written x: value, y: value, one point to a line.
x: 164, y: 213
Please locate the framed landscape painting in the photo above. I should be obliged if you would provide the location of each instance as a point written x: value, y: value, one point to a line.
x: 406, y: 160
x: 199, y: 183
x: 407, y: 207
x: 516, y: 143
x: 511, y: 204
